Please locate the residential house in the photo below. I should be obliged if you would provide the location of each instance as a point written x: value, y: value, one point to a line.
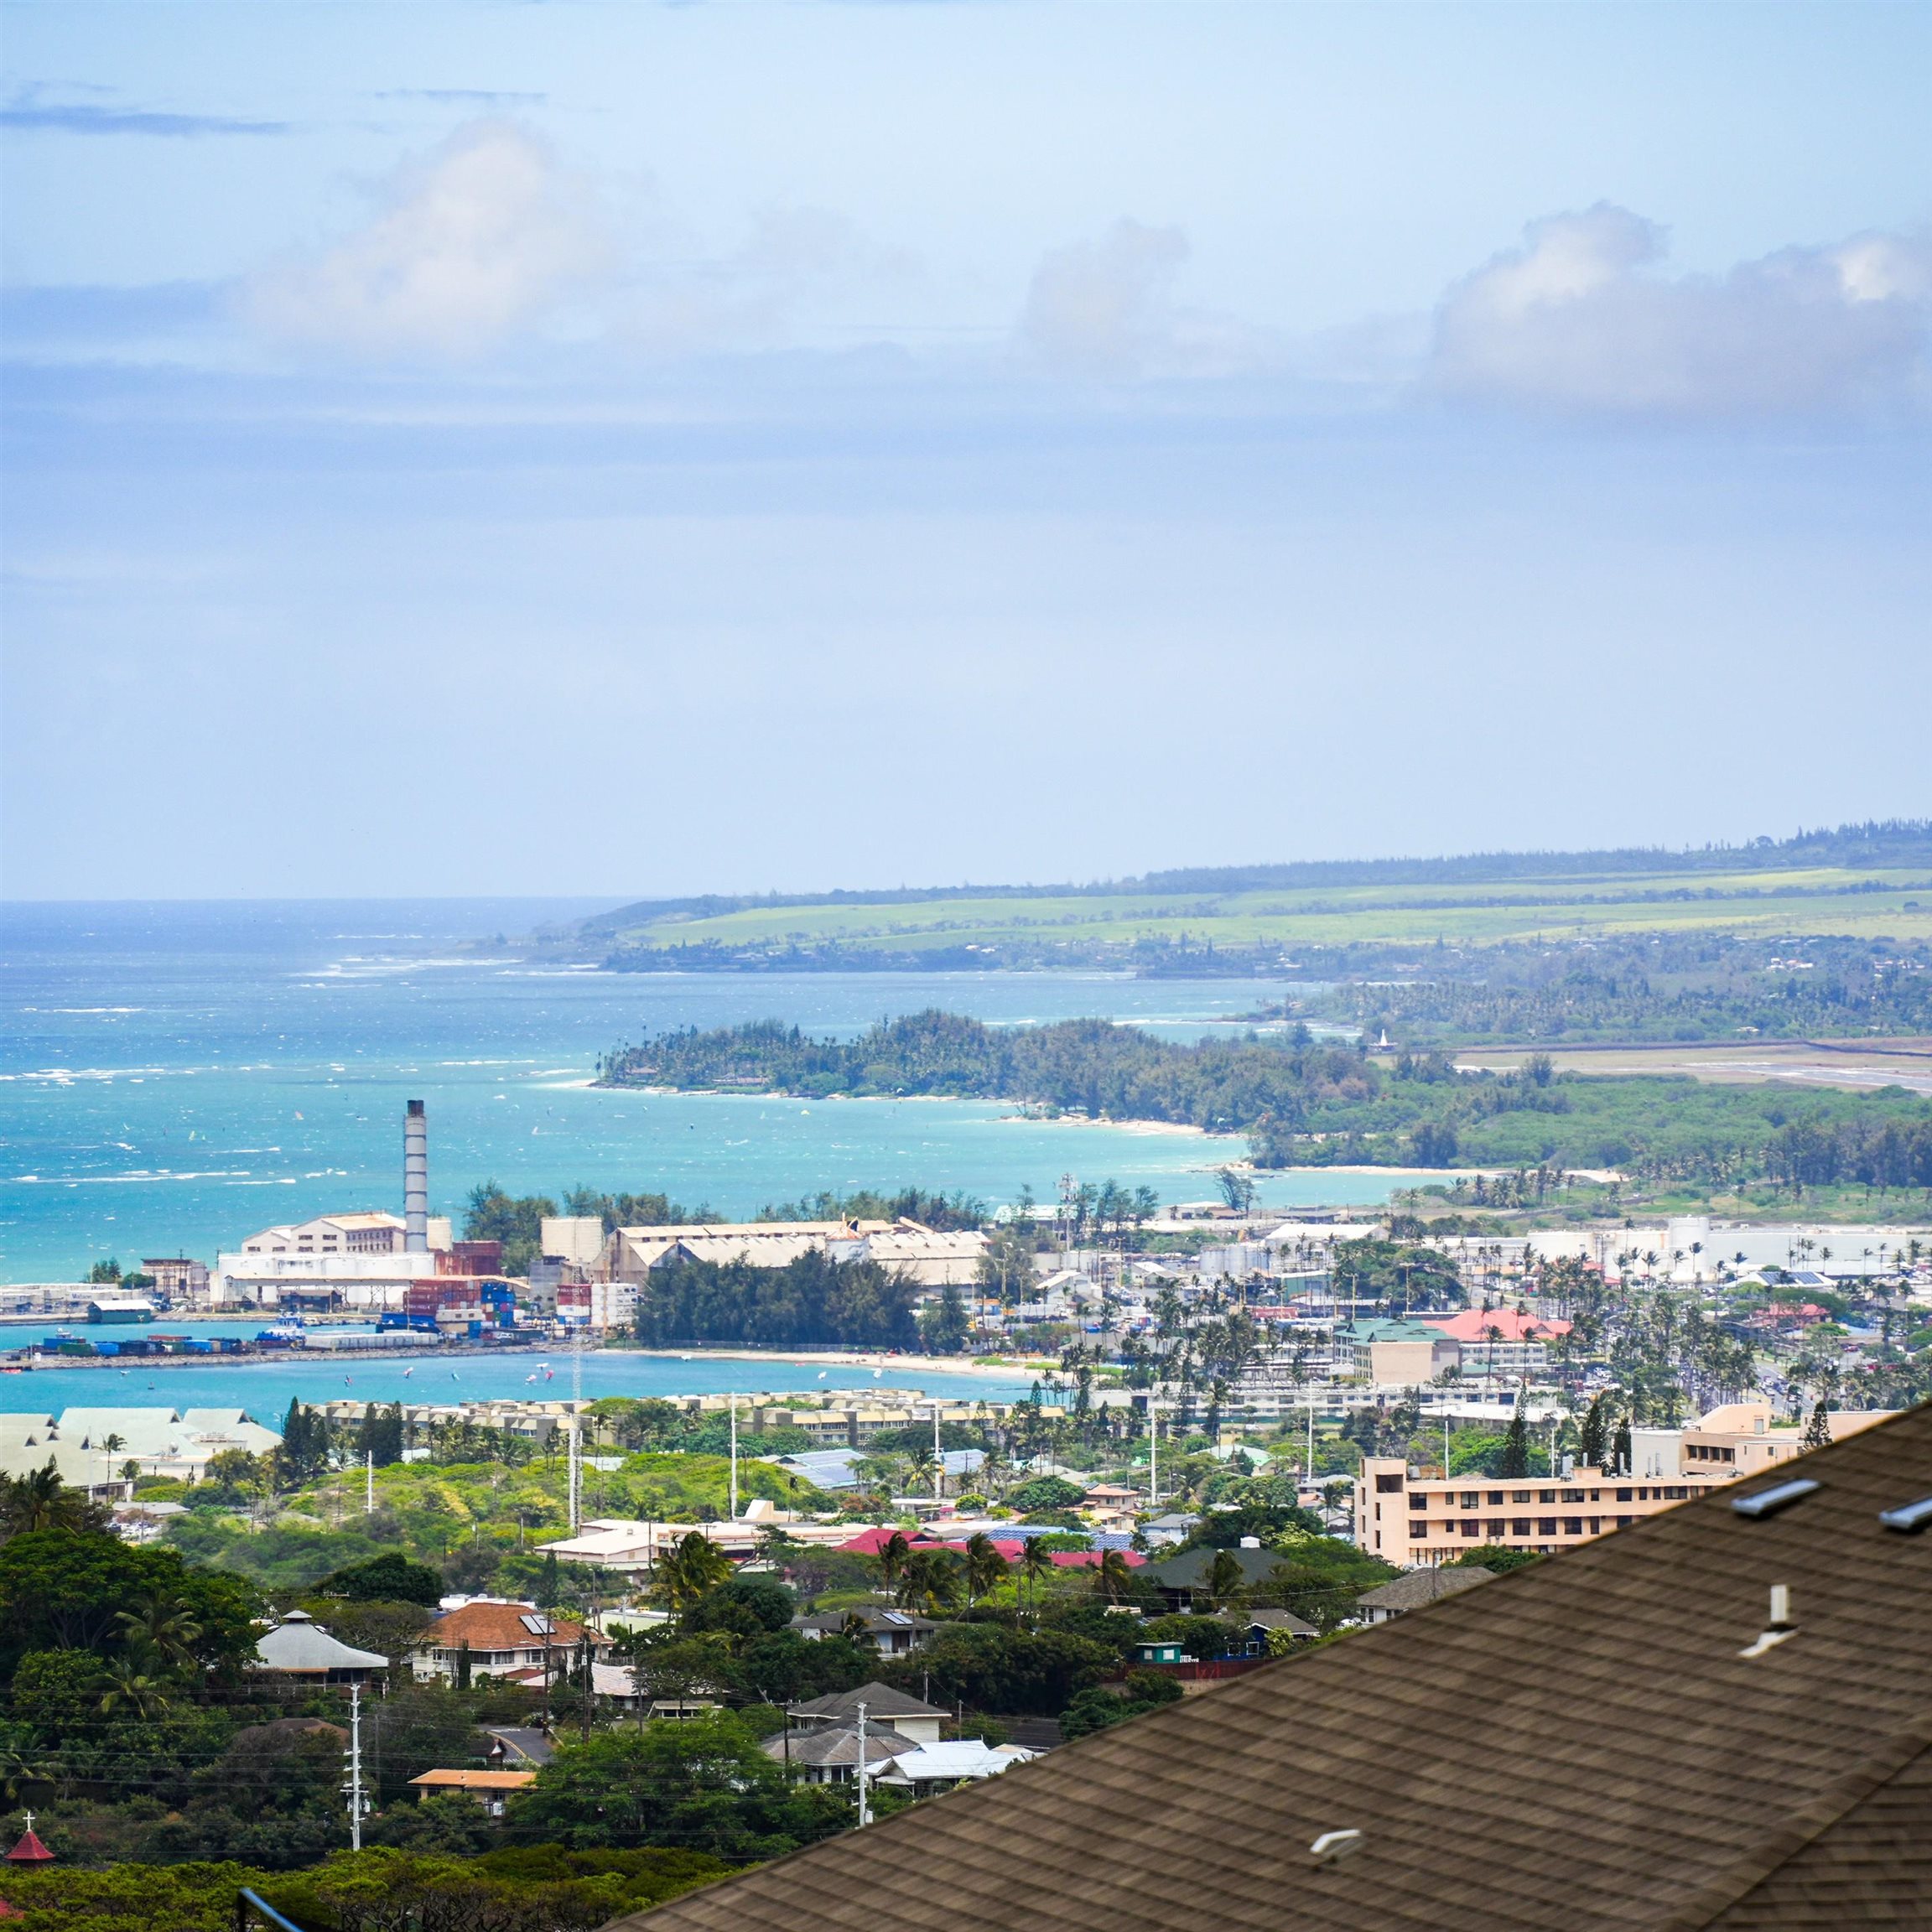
x: 1415, y: 1588
x: 498, y: 1637
x: 828, y: 1753
x: 300, y: 1649
x: 885, y: 1710
x: 1182, y: 1579
x: 489, y: 1788
x: 1714, y: 1722
x: 891, y: 1633
x: 936, y: 1768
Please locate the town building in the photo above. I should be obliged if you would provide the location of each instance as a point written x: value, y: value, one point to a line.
x: 925, y: 1255
x: 633, y: 1547
x: 1506, y: 1343
x: 177, y: 1279
x: 92, y: 1447
x: 366, y: 1232
x: 1408, y: 1516
x: 498, y: 1637
x: 1712, y: 1722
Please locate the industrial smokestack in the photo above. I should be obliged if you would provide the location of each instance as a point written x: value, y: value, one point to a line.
x: 415, y: 1180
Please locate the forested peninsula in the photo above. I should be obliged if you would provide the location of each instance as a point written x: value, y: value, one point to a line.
x: 1305, y: 1102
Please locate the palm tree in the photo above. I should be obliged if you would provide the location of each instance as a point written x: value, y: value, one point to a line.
x: 125, y: 1682
x: 160, y: 1631
x: 1226, y: 1578
x: 17, y: 1772
x: 1112, y: 1577
x: 42, y: 1501
x: 984, y: 1566
x: 892, y: 1554
x: 1035, y: 1563
x: 929, y: 1582
x: 694, y: 1568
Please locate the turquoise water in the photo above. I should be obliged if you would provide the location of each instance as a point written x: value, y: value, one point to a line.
x: 264, y: 1389
x: 173, y: 1078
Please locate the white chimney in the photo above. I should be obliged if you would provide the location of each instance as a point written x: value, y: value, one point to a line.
x: 415, y: 1180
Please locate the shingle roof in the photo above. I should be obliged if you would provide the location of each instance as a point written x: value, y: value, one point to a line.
x: 832, y: 1744
x: 1580, y: 1747
x: 1190, y: 1569
x: 1414, y: 1588
x: 880, y: 1700
x: 1280, y: 1620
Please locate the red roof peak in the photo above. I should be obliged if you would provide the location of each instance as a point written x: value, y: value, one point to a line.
x: 29, y: 1851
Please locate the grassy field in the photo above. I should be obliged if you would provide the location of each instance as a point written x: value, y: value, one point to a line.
x: 1876, y: 903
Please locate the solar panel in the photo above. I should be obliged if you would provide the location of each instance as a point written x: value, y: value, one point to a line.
x: 539, y: 1626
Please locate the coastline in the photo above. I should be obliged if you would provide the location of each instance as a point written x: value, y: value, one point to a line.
x: 844, y: 1358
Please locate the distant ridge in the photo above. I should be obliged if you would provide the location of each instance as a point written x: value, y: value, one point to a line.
x: 1877, y: 842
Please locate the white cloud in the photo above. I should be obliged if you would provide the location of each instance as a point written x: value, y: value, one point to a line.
x: 1582, y: 317
x: 492, y: 238
x: 1105, y: 308
x: 485, y: 238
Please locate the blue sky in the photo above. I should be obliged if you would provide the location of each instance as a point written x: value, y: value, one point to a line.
x: 724, y: 447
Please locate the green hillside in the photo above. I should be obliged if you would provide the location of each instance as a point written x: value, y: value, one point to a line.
x: 1870, y: 883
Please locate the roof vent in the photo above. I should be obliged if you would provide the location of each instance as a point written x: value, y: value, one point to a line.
x: 1780, y: 1626
x: 1909, y: 1517
x: 1769, y: 1501
x: 1332, y: 1846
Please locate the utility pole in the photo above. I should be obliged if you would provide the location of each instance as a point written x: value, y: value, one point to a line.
x: 864, y: 1788
x: 1153, y: 1452
x: 734, y: 1455
x: 369, y: 1485
x: 576, y: 1431
x: 354, y: 1787
x: 938, y: 1457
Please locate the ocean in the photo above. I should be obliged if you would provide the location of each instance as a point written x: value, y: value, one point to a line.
x: 175, y: 1076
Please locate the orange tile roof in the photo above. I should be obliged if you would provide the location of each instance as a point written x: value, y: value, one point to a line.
x: 500, y: 1627
x: 475, y: 1780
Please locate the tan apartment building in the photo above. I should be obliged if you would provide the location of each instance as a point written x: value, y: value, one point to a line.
x: 1740, y: 1438
x: 1426, y: 1517
x: 1411, y: 1517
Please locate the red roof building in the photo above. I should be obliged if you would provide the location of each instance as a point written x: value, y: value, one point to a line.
x: 1473, y: 1326
x: 501, y: 1638
x: 29, y: 1851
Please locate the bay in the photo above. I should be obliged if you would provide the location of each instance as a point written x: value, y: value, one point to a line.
x: 264, y: 1389
x: 175, y: 1076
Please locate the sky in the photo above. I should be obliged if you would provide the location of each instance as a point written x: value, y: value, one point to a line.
x: 643, y: 450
